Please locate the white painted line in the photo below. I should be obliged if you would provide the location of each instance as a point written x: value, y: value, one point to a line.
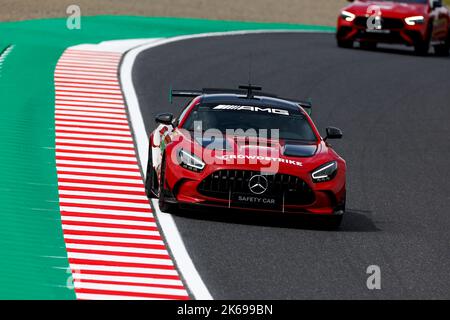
x: 85, y: 130
x: 92, y: 156
x: 95, y: 104
x: 137, y: 270
x: 76, y: 76
x: 94, y: 296
x: 88, y: 66
x: 118, y: 258
x: 182, y: 258
x: 85, y: 94
x: 83, y: 124
x: 115, y: 249
x: 89, y: 121
x: 68, y: 80
x: 104, y: 110
x: 66, y: 220
x: 94, y: 143
x: 123, y: 203
x: 134, y: 289
x: 75, y: 61
x: 89, y: 115
x: 91, y: 98
x: 76, y: 72
x: 94, y: 148
x: 106, y: 194
x: 117, y: 231
x: 90, y: 57
x: 80, y: 85
x: 100, y: 171
x: 106, y: 203
x: 91, y: 89
x: 80, y: 276
x: 90, y: 136
x: 84, y: 54
x: 85, y: 71
x: 129, y: 213
x: 97, y: 164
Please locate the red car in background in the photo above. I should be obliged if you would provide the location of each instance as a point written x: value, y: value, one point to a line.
x: 418, y: 23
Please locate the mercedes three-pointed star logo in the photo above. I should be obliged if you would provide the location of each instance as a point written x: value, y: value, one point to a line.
x: 258, y: 184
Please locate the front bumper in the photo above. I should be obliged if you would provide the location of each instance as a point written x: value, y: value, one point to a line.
x: 185, y: 189
x: 396, y: 31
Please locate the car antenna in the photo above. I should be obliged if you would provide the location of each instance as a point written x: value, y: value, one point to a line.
x: 250, y: 88
x: 250, y: 68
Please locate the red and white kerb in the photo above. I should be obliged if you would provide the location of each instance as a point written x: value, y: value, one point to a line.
x: 114, y: 247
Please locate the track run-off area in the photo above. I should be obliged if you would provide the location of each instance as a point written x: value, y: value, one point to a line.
x: 99, y: 107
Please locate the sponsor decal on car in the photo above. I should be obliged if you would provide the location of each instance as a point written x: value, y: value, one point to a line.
x: 251, y: 108
x: 260, y: 158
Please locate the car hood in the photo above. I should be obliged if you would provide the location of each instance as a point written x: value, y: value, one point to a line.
x: 388, y: 8
x: 256, y: 153
x: 241, y: 145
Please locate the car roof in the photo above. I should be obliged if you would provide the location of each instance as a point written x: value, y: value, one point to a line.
x: 257, y: 101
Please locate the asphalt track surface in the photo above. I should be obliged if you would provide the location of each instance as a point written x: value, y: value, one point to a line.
x: 393, y: 108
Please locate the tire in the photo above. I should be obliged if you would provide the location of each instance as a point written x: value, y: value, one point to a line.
x: 422, y: 47
x: 368, y: 45
x: 163, y: 205
x: 344, y: 43
x: 333, y: 222
x: 151, y: 183
x: 443, y: 50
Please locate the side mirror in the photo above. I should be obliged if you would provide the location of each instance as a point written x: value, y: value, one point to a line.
x: 333, y: 133
x: 164, y: 118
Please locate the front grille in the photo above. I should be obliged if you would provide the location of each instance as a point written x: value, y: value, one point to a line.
x: 386, y: 23
x: 392, y: 37
x: 222, y: 183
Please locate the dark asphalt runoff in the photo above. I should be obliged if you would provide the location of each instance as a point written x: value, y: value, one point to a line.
x: 394, y: 110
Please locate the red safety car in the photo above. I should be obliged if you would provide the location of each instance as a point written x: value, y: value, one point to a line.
x: 240, y: 150
x: 418, y: 23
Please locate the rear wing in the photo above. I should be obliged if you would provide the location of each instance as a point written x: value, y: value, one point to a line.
x: 196, y: 93
x: 306, y: 105
x: 243, y: 90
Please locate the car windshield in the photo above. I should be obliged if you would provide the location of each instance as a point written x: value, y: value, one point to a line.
x: 289, y: 126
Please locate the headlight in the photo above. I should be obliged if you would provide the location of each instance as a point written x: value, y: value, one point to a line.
x: 189, y: 161
x: 347, y: 16
x: 412, y: 21
x: 325, y: 172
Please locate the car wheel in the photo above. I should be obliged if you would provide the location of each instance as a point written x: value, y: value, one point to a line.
x: 151, y: 182
x: 344, y: 43
x: 421, y: 47
x: 368, y: 45
x: 443, y: 49
x: 334, y: 222
x: 163, y: 204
